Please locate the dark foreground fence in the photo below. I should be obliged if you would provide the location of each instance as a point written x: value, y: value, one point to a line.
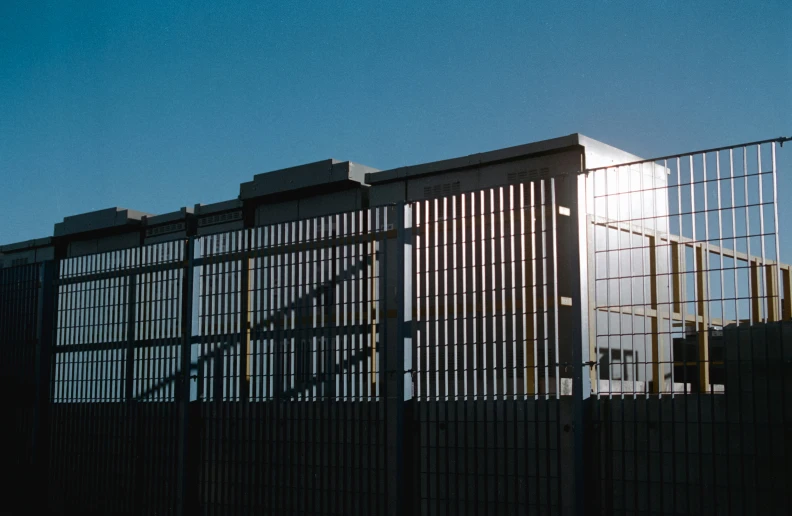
x: 603, y: 343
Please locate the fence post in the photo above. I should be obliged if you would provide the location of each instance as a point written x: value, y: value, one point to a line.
x: 47, y: 305
x: 129, y: 378
x: 185, y: 492
x: 574, y: 311
x: 398, y: 313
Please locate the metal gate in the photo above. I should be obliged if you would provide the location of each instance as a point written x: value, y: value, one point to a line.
x: 290, y: 368
x: 488, y: 385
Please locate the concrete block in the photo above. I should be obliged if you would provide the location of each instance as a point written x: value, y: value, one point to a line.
x: 22, y: 257
x: 97, y: 220
x: 175, y: 225
x: 219, y: 217
x: 311, y: 177
x: 221, y: 228
x: 102, y: 245
x: 29, y: 251
x: 388, y: 193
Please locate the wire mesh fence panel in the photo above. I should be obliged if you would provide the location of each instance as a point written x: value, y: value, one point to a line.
x: 116, y: 360
x: 692, y: 378
x: 19, y: 296
x: 486, y: 378
x: 290, y: 367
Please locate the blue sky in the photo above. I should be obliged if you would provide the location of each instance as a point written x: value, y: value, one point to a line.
x: 158, y: 105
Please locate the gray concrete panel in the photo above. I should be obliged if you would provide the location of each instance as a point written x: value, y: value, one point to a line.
x: 104, y: 244
x: 100, y: 219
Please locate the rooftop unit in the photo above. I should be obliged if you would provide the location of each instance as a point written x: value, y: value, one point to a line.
x: 29, y: 251
x: 305, y: 191
x: 530, y: 162
x: 169, y: 226
x: 98, y: 231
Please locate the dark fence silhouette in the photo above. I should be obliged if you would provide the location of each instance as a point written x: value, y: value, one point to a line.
x: 599, y: 343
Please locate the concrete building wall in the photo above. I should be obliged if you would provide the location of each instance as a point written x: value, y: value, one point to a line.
x: 313, y: 206
x: 25, y: 256
x: 103, y: 244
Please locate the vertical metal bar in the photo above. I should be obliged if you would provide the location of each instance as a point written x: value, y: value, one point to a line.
x: 631, y: 274
x: 753, y: 287
x: 104, y: 464
x: 773, y: 298
x: 787, y: 306
x: 767, y: 299
x: 297, y: 438
x: 461, y: 315
x: 282, y: 494
x: 346, y: 263
x: 739, y: 321
x: 530, y: 242
x: 502, y: 341
x: 705, y: 295
x: 786, y: 309
x: 652, y: 314
x: 498, y: 308
x: 484, y: 277
x: 397, y: 297
x: 721, y: 244
x: 573, y: 231
x: 186, y: 491
x: 786, y: 280
x: 45, y: 332
x: 430, y: 339
x: 448, y: 413
x: 540, y: 260
x: 130, y: 336
x: 145, y: 405
x: 702, y: 286
x: 244, y: 329
x: 258, y: 422
x: 657, y: 352
x: 556, y: 294
x: 508, y: 301
x: 268, y: 356
x: 370, y: 300
x: 756, y: 295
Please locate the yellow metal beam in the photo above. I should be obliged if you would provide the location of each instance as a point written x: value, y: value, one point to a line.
x: 642, y: 311
x: 702, y: 310
x: 677, y: 279
x: 657, y: 370
x: 756, y: 294
x: 671, y: 238
x: 773, y: 298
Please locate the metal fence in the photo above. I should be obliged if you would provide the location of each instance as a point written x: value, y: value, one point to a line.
x: 693, y: 371
x: 615, y: 342
x: 18, y: 376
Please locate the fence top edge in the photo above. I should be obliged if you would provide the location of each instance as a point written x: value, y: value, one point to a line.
x: 779, y: 140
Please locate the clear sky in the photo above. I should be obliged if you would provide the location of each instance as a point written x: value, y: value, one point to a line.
x: 157, y: 105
